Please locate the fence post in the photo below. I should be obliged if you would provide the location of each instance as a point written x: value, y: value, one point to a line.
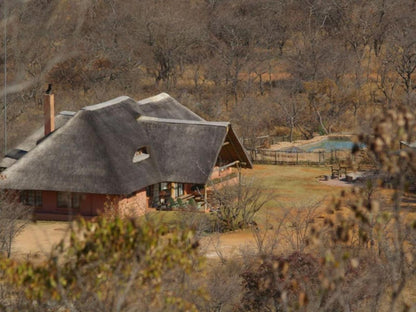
x: 275, y: 157
x: 297, y: 158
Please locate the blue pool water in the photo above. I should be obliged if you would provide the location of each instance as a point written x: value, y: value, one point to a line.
x: 329, y: 145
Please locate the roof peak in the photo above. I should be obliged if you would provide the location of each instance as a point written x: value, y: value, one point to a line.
x: 112, y: 102
x: 155, y: 98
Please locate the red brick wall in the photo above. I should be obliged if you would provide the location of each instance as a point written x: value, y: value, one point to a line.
x: 97, y: 203
x: 49, y: 201
x: 94, y: 204
x: 133, y: 206
x: 218, y: 174
x: 187, y: 188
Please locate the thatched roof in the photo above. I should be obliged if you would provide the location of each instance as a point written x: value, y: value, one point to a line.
x: 31, y: 141
x: 93, y: 151
x: 165, y: 106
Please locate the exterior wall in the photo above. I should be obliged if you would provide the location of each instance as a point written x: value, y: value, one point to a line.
x: 49, y: 205
x: 86, y: 205
x: 49, y: 200
x: 221, y: 178
x: 220, y: 185
x: 92, y: 205
x: 216, y: 173
x: 188, y: 188
x: 97, y: 204
x: 133, y: 206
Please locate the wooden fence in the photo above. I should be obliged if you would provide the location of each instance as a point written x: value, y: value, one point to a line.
x: 274, y: 157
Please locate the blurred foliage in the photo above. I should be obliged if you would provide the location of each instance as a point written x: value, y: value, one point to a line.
x: 110, y: 265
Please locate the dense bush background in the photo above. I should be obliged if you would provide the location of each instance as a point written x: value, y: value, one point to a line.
x: 269, y: 66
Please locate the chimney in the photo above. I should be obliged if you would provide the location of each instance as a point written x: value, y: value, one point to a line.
x: 49, y: 113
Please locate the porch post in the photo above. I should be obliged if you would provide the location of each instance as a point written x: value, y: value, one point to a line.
x: 172, y: 190
x: 205, y: 199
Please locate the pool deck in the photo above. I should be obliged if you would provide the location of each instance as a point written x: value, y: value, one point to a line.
x: 300, y: 143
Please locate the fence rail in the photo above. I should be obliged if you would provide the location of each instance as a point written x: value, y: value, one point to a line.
x: 275, y: 157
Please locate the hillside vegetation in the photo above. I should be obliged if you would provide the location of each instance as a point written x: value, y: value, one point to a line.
x: 270, y: 66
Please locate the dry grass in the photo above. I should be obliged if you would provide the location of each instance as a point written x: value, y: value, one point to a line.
x: 293, y: 185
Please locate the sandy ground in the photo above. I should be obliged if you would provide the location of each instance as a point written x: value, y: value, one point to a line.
x: 339, y: 183
x: 36, y: 239
x: 227, y: 245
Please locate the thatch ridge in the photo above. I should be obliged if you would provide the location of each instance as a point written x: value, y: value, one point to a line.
x: 165, y: 106
x: 182, y: 121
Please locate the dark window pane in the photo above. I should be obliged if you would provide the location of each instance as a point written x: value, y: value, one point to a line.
x: 64, y: 200
x: 75, y: 200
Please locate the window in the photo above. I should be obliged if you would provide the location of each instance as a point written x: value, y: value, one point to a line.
x: 149, y: 191
x: 64, y: 199
x: 31, y: 198
x: 75, y: 200
x: 164, y: 186
x: 164, y: 192
x: 68, y: 200
x: 178, y: 189
x: 141, y: 154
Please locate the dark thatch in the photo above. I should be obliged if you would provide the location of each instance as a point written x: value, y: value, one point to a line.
x: 93, y: 152
x: 30, y: 142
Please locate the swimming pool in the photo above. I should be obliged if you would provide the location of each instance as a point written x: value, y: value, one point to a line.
x: 329, y: 145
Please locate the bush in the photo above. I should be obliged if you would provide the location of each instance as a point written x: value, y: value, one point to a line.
x: 111, y: 265
x: 273, y: 283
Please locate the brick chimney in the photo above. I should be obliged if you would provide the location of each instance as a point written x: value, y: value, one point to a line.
x: 49, y: 113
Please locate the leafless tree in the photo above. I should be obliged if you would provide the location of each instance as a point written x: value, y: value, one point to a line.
x: 238, y: 204
x: 14, y: 216
x: 299, y: 221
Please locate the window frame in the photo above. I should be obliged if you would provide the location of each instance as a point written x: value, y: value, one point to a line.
x: 31, y: 198
x: 179, y: 189
x: 72, y: 200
